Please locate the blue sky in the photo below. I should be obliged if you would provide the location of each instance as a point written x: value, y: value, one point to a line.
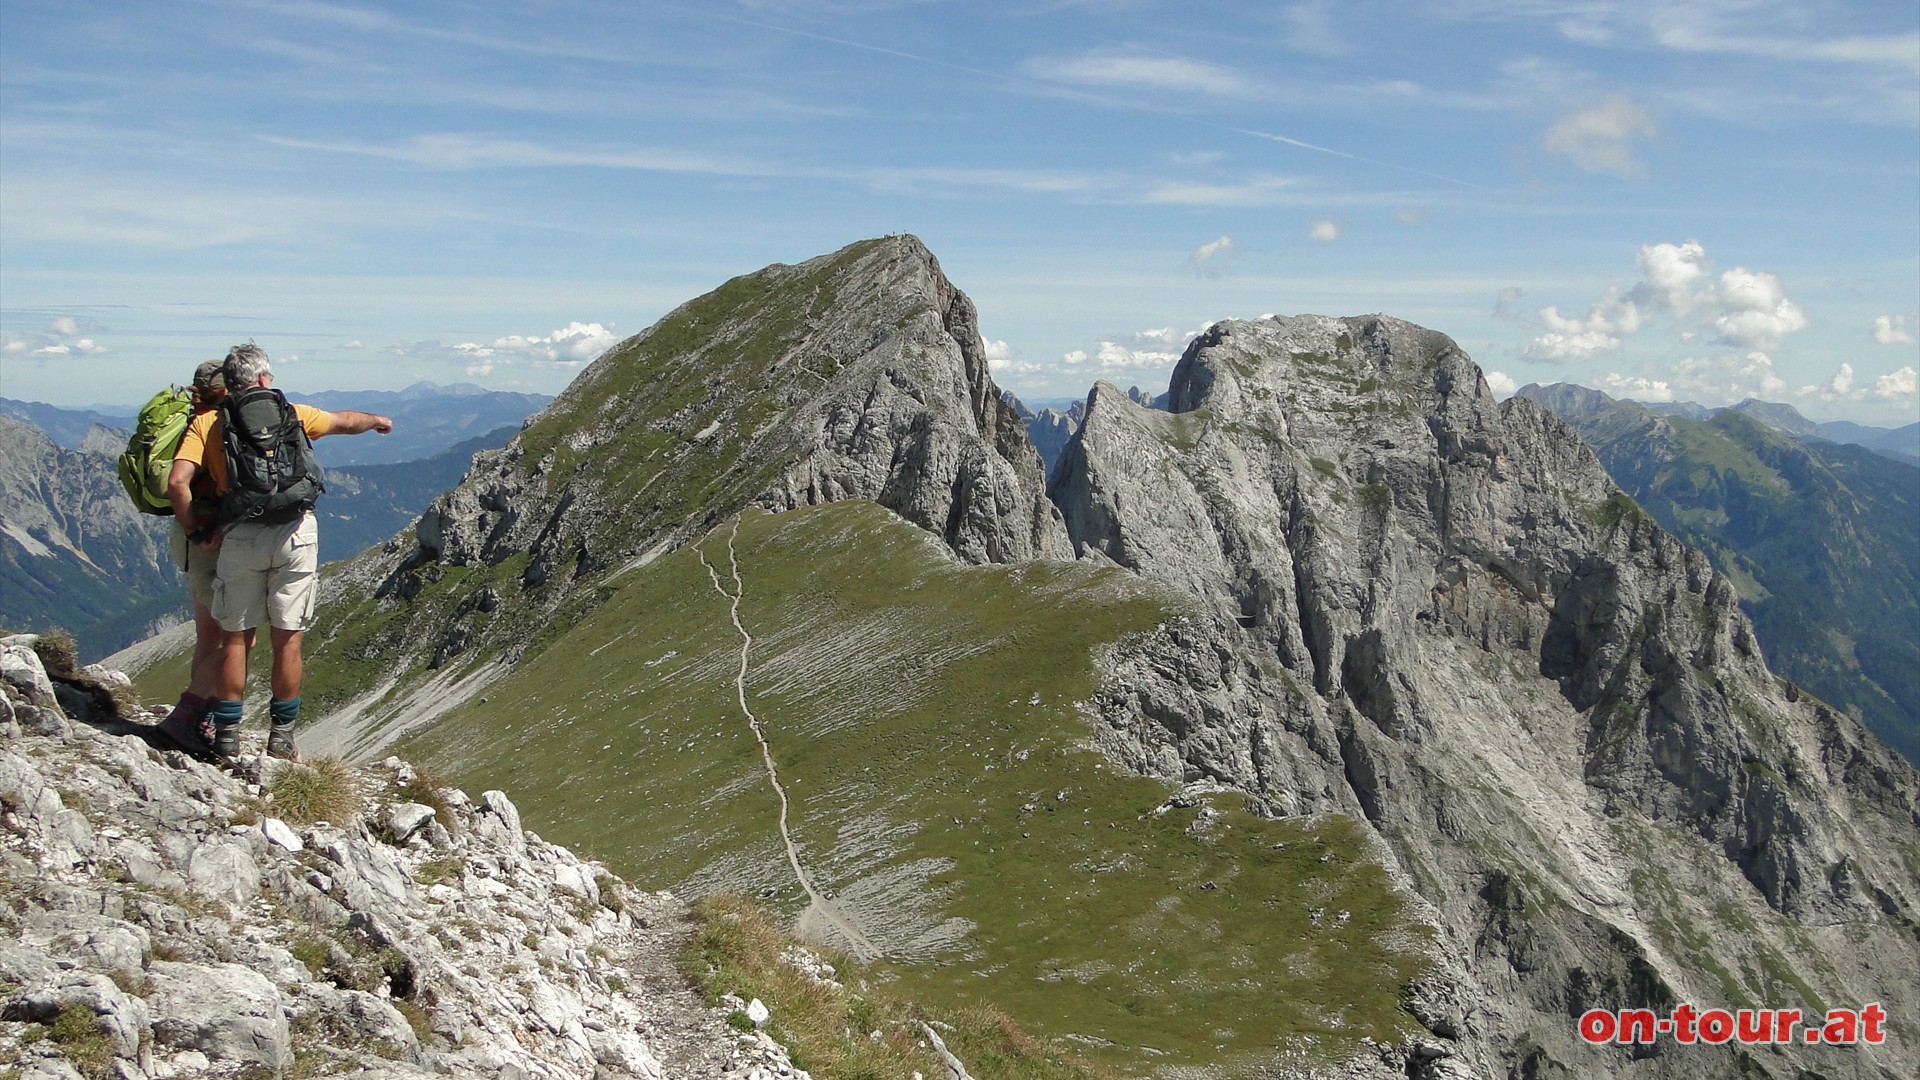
x: 1693, y: 201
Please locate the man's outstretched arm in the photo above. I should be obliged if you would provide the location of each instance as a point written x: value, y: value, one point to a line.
x: 354, y: 422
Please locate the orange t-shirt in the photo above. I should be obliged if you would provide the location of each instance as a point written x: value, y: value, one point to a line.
x: 204, y: 431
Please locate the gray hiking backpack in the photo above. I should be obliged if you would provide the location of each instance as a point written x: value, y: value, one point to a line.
x: 272, y: 477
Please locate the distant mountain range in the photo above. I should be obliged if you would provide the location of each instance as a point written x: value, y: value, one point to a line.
x: 74, y: 553
x: 366, y: 504
x: 1822, y: 539
x: 68, y: 428
x: 427, y: 418
x: 1901, y: 443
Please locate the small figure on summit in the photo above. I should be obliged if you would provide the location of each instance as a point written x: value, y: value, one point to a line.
x: 257, y: 449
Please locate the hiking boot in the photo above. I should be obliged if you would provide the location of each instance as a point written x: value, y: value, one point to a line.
x: 280, y: 742
x: 187, y: 732
x: 226, y: 740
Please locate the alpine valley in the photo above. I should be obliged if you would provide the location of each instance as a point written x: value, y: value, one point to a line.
x: 1335, y: 719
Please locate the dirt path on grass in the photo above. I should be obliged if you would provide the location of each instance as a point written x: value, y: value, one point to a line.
x: 819, y: 908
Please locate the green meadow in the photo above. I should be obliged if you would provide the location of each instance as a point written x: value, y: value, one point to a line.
x: 927, y: 722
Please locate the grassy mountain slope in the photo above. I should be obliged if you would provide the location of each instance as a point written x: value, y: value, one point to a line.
x: 1822, y: 540
x: 923, y: 716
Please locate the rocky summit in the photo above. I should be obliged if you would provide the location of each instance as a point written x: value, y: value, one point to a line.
x: 856, y: 375
x: 160, y: 922
x: 1434, y: 611
x: 1371, y: 731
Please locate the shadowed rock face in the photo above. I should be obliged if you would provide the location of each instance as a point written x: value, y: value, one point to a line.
x: 913, y: 421
x: 1436, y: 611
x: 1822, y: 539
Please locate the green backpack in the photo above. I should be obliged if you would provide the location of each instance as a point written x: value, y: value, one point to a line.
x: 149, y: 455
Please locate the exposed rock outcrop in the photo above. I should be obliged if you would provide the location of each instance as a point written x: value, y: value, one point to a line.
x: 162, y: 923
x: 1435, y: 611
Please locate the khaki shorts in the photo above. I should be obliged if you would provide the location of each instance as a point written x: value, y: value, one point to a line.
x: 198, y: 563
x: 266, y: 575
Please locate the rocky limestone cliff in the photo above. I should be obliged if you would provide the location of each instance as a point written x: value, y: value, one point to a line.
x: 161, y: 922
x: 855, y: 375
x: 1435, y: 611
x: 1822, y: 541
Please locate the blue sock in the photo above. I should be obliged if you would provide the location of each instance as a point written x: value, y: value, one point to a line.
x: 284, y: 712
x: 225, y: 713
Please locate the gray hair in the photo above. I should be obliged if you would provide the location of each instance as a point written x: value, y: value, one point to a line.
x: 245, y: 364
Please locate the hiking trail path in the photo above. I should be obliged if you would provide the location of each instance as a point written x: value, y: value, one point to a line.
x: 817, y: 905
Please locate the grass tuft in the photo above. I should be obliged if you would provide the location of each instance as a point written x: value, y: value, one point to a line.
x: 324, y: 789
x: 58, y: 653
x: 429, y: 788
x: 831, y: 1028
x: 88, y: 1049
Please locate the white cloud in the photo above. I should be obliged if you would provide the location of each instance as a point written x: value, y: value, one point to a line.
x: 1756, y: 313
x: 1209, y: 259
x: 1570, y: 348
x: 570, y: 346
x: 1728, y: 377
x: 1312, y: 28
x: 1120, y: 69
x: 356, y: 343
x: 68, y: 326
x: 1324, y: 230
x: 1891, y: 330
x: 1501, y: 384
x: 1570, y: 340
x: 1837, y: 388
x: 1601, y: 139
x: 1745, y: 309
x: 1005, y: 361
x: 1898, y: 387
x: 1895, y: 386
x: 1669, y: 274
x: 1507, y: 304
x: 1636, y: 387
x: 1258, y: 191
x: 1411, y: 217
x: 1151, y: 351
x: 65, y: 336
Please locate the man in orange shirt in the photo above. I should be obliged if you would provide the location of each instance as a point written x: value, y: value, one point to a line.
x: 265, y: 572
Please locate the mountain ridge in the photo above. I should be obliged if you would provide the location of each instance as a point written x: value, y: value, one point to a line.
x: 1421, y: 625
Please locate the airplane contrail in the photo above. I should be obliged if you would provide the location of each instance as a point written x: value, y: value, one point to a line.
x: 1356, y: 157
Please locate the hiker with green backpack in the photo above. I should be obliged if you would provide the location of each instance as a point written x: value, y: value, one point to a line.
x: 257, y: 450
x: 183, y: 727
